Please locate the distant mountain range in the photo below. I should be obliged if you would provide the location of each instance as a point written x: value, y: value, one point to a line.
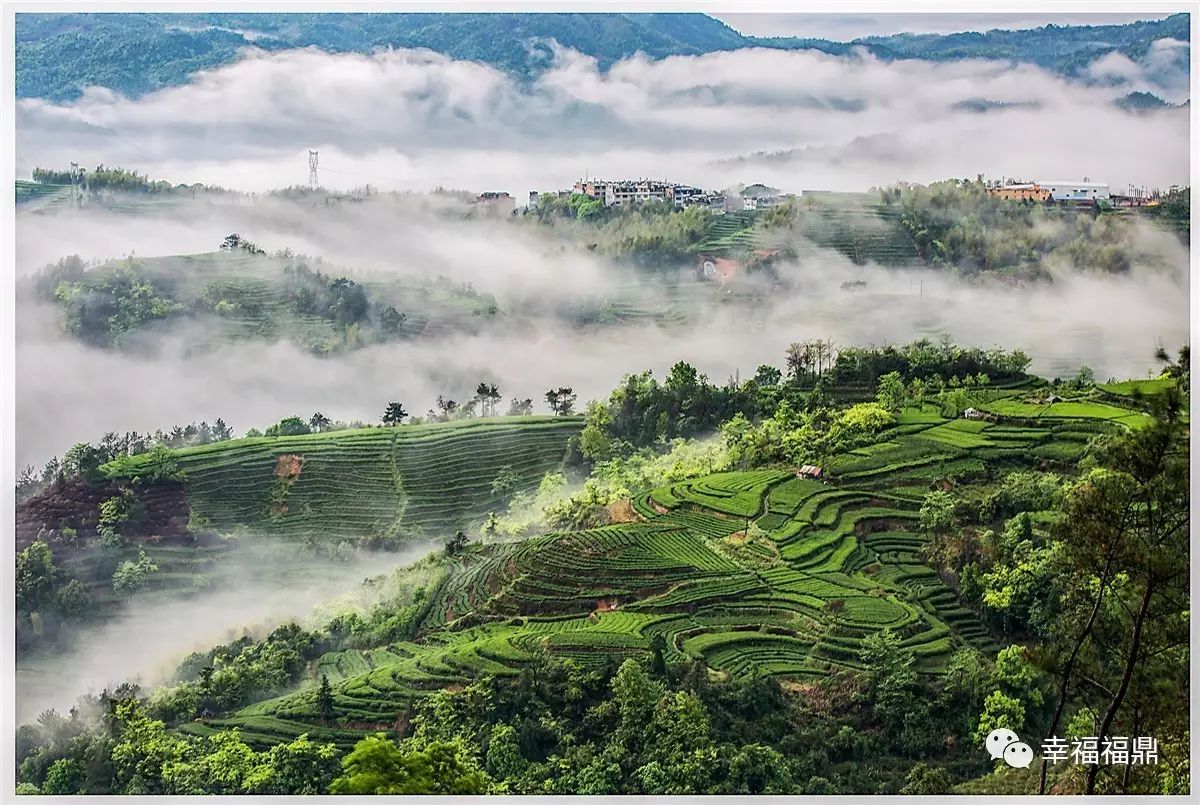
x: 57, y: 55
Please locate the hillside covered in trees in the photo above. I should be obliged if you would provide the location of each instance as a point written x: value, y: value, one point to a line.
x: 240, y: 293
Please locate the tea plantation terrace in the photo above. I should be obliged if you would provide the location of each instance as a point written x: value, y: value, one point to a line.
x: 751, y: 572
x: 384, y: 482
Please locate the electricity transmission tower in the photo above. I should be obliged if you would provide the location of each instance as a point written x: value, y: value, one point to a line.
x: 77, y: 182
x: 312, y: 170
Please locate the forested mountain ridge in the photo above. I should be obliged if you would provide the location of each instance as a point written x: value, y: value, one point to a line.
x: 138, y: 53
x: 57, y: 55
x: 1061, y: 49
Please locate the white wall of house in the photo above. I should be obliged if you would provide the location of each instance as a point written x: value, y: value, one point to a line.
x: 1076, y: 191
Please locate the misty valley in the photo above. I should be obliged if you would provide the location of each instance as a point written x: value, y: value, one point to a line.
x: 774, y: 437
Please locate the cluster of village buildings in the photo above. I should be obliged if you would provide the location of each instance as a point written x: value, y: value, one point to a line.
x: 1065, y: 191
x: 628, y: 192
x: 1083, y: 192
x: 681, y: 196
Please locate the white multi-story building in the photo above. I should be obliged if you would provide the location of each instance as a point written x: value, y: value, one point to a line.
x: 682, y: 195
x: 715, y: 202
x: 639, y: 191
x: 1076, y: 191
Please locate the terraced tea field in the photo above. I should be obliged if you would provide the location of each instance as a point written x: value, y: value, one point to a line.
x: 747, y: 572
x: 855, y: 224
x: 660, y: 303
x: 1066, y: 411
x: 37, y: 197
x: 858, y: 226
x: 731, y: 233
x: 1129, y: 388
x: 410, y: 482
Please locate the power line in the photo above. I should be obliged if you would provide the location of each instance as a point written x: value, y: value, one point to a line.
x: 312, y: 170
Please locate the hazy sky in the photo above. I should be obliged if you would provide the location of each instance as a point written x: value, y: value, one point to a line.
x: 851, y: 26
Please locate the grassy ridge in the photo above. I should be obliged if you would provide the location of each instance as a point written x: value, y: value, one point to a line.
x: 369, y: 483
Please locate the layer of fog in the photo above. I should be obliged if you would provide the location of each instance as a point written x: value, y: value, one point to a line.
x: 407, y: 235
x: 67, y: 392
x: 1162, y: 70
x: 415, y: 120
x: 263, y: 586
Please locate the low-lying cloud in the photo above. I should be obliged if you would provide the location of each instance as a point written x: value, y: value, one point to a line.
x: 67, y: 391
x: 264, y: 585
x: 1163, y: 70
x: 412, y: 119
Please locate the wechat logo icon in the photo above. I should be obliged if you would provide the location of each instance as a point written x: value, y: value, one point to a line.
x: 1004, y: 743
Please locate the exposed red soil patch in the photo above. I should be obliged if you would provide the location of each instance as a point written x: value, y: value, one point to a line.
x: 161, y: 513
x: 622, y: 512
x: 288, y: 466
x: 607, y: 605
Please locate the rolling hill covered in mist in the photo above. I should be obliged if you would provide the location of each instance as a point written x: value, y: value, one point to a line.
x: 381, y: 488
x: 653, y: 258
